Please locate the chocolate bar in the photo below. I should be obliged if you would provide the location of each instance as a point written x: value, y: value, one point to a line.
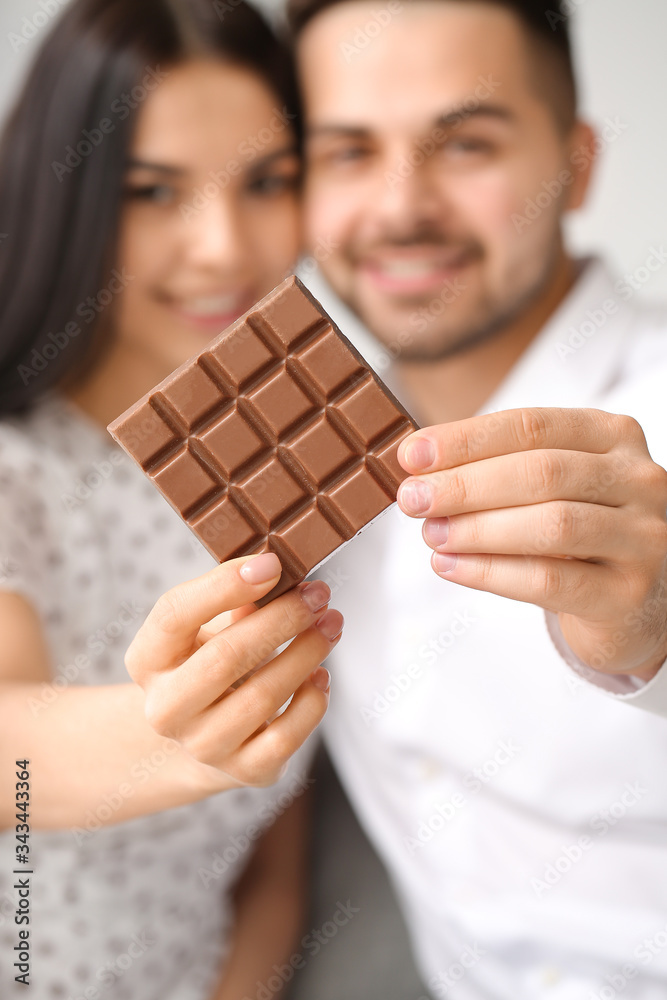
x: 277, y: 436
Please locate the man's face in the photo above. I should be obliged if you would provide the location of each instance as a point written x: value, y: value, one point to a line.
x: 426, y: 134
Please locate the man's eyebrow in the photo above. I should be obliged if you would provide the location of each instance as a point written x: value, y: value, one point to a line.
x: 445, y: 120
x: 350, y: 131
x: 457, y: 114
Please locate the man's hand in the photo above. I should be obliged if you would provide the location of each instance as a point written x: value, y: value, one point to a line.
x: 560, y: 508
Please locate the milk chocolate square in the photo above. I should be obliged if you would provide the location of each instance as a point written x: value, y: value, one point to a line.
x: 277, y: 436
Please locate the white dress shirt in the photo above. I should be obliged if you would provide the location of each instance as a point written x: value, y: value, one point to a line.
x: 519, y: 803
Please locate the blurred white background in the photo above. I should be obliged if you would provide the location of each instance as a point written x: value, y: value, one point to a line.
x: 623, y: 77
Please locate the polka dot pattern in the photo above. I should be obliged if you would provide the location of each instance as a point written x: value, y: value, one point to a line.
x: 140, y: 910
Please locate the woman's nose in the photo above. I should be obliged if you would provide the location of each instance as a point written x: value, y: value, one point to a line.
x: 214, y: 235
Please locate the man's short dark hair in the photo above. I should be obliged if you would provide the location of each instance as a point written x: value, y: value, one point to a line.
x: 548, y: 36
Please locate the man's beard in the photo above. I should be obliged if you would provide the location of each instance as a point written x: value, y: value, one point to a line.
x: 493, y: 317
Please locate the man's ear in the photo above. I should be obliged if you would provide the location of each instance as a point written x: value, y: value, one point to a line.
x: 583, y: 151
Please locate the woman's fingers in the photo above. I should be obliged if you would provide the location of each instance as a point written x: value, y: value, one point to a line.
x: 261, y: 759
x: 242, y: 713
x: 209, y: 629
x: 201, y: 658
x: 217, y: 733
x: 185, y: 693
x: 168, y: 636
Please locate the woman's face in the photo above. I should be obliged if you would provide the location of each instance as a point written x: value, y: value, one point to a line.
x: 210, y: 220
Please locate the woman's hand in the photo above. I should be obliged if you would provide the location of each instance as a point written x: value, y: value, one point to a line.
x: 204, y: 636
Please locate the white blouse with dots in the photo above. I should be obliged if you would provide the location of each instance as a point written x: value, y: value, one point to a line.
x: 139, y: 910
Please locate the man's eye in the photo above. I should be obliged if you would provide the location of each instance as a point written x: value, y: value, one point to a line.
x: 467, y: 146
x: 161, y: 194
x: 337, y: 156
x: 348, y: 154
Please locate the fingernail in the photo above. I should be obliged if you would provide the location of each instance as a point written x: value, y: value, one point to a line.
x: 315, y: 594
x: 444, y: 562
x: 261, y: 569
x: 414, y: 497
x: 436, y: 530
x: 321, y: 678
x: 420, y: 454
x: 330, y: 624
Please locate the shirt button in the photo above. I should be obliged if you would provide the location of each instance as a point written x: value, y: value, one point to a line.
x: 429, y: 769
x: 550, y: 976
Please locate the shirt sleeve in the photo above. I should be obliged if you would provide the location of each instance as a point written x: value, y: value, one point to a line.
x: 650, y: 696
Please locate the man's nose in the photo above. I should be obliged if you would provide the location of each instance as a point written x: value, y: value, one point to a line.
x: 407, y: 194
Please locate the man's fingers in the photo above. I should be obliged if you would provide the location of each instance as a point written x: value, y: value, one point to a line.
x: 568, y: 585
x: 519, y: 479
x: 558, y: 528
x: 168, y: 635
x: 461, y: 442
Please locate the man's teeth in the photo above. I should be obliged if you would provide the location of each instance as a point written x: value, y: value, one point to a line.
x: 410, y: 268
x: 212, y: 306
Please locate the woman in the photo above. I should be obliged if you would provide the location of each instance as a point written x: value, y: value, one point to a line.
x: 149, y: 192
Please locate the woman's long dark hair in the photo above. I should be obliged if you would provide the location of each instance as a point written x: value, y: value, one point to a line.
x: 60, y: 197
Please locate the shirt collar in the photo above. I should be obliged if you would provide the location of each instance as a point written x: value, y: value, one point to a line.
x: 579, y: 351
x: 575, y: 356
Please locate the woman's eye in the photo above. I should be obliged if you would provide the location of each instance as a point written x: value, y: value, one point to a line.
x: 160, y: 194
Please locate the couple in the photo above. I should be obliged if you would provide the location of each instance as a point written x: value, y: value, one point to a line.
x: 505, y: 756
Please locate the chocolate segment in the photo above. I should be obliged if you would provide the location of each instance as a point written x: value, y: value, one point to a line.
x: 277, y: 436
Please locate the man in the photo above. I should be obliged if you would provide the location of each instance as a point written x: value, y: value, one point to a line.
x: 518, y: 802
